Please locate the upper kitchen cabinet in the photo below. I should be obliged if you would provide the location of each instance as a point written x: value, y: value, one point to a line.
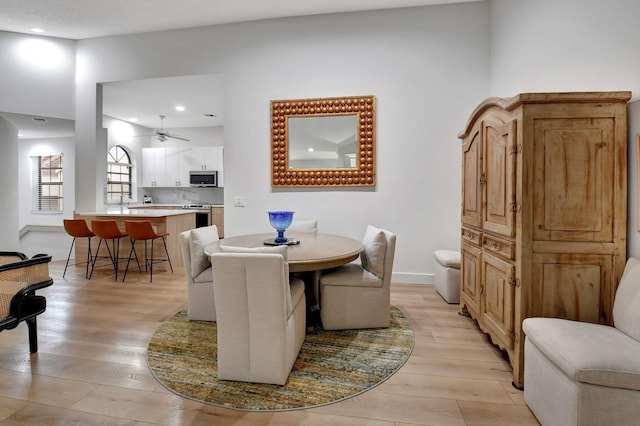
x: 220, y: 166
x: 178, y: 166
x: 208, y: 158
x: 154, y: 164
x: 165, y: 167
x: 170, y: 166
x: 204, y: 158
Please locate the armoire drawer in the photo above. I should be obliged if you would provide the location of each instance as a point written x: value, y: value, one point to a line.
x: 472, y: 236
x: 499, y: 246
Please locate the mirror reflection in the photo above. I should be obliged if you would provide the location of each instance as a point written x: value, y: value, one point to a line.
x: 322, y: 142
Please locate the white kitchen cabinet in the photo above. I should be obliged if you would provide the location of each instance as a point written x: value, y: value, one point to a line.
x: 220, y: 166
x: 178, y: 164
x: 154, y: 164
x: 204, y: 158
x: 208, y: 158
x: 165, y: 167
x: 170, y: 166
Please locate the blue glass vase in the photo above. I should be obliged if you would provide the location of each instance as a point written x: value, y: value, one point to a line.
x: 280, y: 221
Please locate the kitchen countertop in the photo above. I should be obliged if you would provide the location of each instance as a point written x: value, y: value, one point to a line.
x: 172, y: 206
x: 138, y: 212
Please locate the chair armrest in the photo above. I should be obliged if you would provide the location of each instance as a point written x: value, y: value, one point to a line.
x: 23, y: 294
x: 20, y: 279
x: 11, y: 257
x: 23, y: 261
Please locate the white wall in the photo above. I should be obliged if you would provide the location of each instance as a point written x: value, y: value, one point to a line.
x: 571, y: 45
x: 47, y: 236
x: 564, y: 45
x: 633, y: 236
x: 8, y: 187
x: 428, y: 67
x: 37, y: 75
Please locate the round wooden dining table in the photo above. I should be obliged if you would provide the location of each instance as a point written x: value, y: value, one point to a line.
x: 315, y: 252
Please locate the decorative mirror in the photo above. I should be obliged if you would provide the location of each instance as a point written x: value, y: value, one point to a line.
x: 323, y: 142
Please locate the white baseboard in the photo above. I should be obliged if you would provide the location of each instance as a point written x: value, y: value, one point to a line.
x: 412, y: 278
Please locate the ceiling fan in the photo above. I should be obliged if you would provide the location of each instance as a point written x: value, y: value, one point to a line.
x: 163, y: 135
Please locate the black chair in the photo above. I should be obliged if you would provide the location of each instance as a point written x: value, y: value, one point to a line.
x: 20, y: 277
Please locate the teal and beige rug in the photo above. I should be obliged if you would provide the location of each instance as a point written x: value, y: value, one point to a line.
x: 331, y: 366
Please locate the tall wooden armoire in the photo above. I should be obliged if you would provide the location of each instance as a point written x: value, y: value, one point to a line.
x: 544, y: 212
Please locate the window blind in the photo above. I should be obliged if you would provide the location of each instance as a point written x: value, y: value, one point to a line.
x: 47, y: 183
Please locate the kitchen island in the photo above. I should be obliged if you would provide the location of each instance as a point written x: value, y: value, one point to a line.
x: 171, y: 221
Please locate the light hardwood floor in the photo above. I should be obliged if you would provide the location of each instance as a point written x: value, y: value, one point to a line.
x: 91, y: 367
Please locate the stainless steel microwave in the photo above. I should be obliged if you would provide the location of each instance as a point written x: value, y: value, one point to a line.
x: 203, y: 179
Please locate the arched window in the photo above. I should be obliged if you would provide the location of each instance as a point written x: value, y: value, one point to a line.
x: 118, y: 174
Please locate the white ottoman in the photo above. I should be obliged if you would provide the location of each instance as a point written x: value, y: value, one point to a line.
x: 447, y: 274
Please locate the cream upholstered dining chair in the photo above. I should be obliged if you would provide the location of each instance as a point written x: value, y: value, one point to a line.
x: 303, y: 226
x: 198, y: 273
x: 357, y: 295
x: 260, y: 314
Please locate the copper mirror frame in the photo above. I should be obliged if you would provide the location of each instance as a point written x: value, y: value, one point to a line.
x: 364, y: 172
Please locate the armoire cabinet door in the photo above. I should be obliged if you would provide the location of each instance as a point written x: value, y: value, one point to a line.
x: 499, y: 176
x: 573, y: 286
x: 470, y: 259
x: 574, y: 173
x: 471, y: 187
x: 498, y: 298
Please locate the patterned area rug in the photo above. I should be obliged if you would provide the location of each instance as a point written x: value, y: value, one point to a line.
x: 331, y: 366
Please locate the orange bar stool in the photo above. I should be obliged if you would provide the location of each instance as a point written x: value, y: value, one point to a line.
x: 141, y: 230
x: 108, y: 230
x: 77, y: 228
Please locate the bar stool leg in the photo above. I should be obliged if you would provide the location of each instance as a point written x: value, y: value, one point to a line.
x: 166, y: 251
x: 95, y: 258
x: 69, y: 256
x: 89, y: 257
x: 133, y: 250
x: 113, y: 257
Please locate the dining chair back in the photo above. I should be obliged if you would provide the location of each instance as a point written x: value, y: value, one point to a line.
x: 310, y: 225
x: 261, y: 316
x: 77, y: 228
x: 198, y: 272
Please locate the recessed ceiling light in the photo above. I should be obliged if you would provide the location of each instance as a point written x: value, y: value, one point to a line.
x: 37, y: 30
x: 179, y: 108
x: 133, y: 119
x: 20, y: 135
